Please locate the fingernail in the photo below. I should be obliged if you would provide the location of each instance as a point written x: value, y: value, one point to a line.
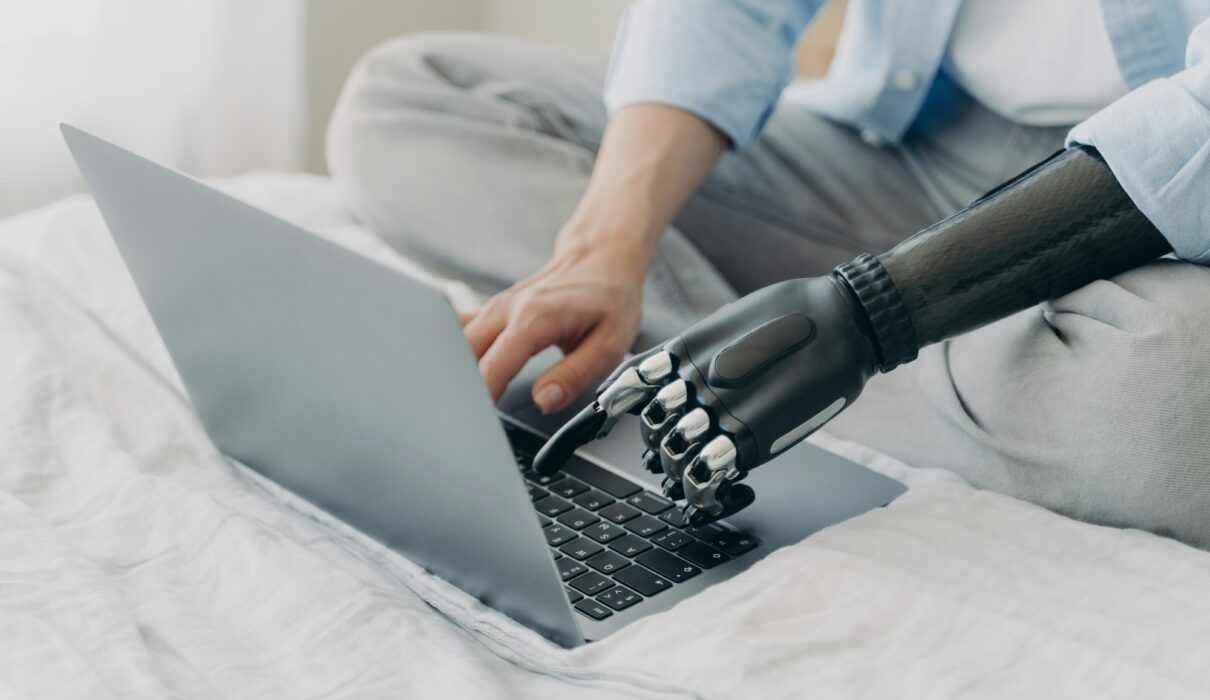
x: 549, y: 398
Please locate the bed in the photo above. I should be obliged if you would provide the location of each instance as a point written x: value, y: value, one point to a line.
x: 135, y: 561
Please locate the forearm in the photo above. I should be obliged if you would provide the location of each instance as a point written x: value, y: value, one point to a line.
x: 651, y: 159
x: 1056, y: 228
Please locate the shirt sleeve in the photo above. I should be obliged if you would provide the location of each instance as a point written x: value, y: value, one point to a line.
x: 725, y: 61
x: 1156, y: 140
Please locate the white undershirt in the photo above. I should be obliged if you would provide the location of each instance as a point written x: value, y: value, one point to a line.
x: 1037, y: 62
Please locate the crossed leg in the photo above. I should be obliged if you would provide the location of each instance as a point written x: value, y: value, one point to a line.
x: 1095, y: 405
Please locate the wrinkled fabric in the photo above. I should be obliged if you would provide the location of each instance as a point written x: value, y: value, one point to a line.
x: 730, y: 62
x: 136, y: 562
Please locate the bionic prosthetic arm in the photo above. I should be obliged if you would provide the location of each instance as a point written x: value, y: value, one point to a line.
x: 757, y: 376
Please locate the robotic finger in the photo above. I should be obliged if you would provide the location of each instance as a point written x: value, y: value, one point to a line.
x: 709, y: 484
x: 627, y: 391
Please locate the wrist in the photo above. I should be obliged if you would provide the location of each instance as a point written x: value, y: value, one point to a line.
x: 618, y: 211
x: 885, y: 317
x: 618, y: 246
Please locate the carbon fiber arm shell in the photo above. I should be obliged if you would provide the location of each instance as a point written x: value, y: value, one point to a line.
x: 1053, y: 229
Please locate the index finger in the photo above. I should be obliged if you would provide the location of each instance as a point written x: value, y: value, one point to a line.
x: 512, y: 349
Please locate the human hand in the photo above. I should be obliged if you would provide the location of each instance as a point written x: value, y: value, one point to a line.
x: 587, y: 301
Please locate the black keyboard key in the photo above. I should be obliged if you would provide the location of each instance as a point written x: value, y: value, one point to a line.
x: 552, y: 506
x: 593, y: 609
x: 581, y: 549
x: 674, y: 517
x: 544, y: 522
x: 558, y: 534
x: 592, y: 499
x: 649, y: 503
x: 604, y: 532
x: 668, y: 566
x: 629, y: 545
x: 619, y: 597
x: 569, y: 488
x: 646, y: 526
x: 524, y: 459
x: 608, y: 562
x: 578, y: 519
x: 672, y: 540
x: 703, y: 555
x: 543, y: 479
x: 570, y: 568
x: 591, y: 583
x: 707, y: 532
x: 642, y: 580
x: 574, y: 596
x: 535, y: 492
x: 607, y: 481
x: 619, y: 513
x: 735, y: 543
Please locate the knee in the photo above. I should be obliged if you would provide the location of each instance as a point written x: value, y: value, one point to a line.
x: 1123, y: 397
x: 1135, y: 347
x: 411, y: 58
x: 1173, y: 292
x: 1151, y: 320
x: 388, y: 126
x: 394, y: 77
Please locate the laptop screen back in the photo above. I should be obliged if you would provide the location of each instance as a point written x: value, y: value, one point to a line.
x: 336, y: 377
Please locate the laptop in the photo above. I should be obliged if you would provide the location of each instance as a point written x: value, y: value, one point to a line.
x: 351, y: 385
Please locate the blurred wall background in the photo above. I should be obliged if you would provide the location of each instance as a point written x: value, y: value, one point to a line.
x: 215, y: 87
x: 219, y: 87
x: 339, y: 31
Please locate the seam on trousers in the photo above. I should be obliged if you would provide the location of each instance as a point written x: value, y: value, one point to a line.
x: 549, y: 119
x: 538, y: 112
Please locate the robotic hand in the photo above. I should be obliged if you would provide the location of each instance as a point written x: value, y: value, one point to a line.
x: 734, y: 390
x: 757, y: 376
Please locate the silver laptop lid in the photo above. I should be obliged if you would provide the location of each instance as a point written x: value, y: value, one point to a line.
x: 342, y: 380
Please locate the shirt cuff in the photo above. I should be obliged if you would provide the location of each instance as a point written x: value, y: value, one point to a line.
x: 1156, y: 140
x: 723, y: 64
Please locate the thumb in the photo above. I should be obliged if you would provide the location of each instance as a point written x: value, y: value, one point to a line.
x: 590, y: 360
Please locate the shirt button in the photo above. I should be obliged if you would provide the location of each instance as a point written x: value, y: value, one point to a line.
x: 906, y: 80
x: 872, y: 138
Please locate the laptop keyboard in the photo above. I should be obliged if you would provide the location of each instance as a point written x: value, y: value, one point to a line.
x: 615, y: 544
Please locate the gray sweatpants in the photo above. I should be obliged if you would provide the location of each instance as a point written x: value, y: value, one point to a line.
x: 469, y: 152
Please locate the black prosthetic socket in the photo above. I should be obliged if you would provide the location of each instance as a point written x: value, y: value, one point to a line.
x: 1051, y: 230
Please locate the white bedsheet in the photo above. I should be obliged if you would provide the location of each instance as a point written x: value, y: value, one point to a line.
x: 136, y: 562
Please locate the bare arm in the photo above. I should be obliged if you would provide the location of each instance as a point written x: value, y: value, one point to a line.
x: 652, y: 158
x: 588, y: 299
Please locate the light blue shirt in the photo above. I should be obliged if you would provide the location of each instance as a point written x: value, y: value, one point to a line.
x: 728, y: 61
